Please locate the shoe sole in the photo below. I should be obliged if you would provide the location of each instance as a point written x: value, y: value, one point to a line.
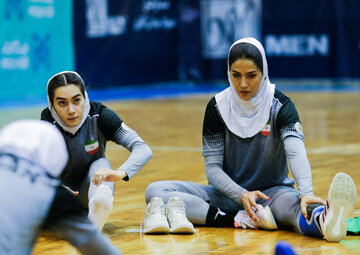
x: 342, y: 198
x: 157, y: 230
x: 182, y: 230
x: 270, y: 221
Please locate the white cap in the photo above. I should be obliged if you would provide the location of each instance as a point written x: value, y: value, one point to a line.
x: 37, y: 141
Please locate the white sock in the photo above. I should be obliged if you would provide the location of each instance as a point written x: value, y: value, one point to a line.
x: 100, y: 205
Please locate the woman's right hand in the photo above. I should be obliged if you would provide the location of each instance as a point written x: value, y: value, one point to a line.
x: 108, y: 175
x: 248, y: 200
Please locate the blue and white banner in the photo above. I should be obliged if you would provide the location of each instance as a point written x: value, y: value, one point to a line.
x: 302, y: 39
x: 114, y: 43
x: 225, y: 21
x: 222, y: 23
x: 126, y: 42
x: 35, y: 42
x: 312, y: 39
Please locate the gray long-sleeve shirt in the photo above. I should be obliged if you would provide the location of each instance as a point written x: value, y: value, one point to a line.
x: 89, y: 144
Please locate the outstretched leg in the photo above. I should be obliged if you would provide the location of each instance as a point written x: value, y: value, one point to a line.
x: 340, y: 203
x: 330, y: 221
x: 99, y: 199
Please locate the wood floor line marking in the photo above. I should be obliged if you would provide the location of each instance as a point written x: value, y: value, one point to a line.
x: 344, y: 149
x: 164, y: 148
x: 321, y: 248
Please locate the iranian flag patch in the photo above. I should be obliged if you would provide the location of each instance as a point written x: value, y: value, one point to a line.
x: 266, y: 129
x: 91, y: 146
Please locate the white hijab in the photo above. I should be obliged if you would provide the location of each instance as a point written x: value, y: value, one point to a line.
x: 246, y: 118
x: 71, y: 130
x: 37, y: 141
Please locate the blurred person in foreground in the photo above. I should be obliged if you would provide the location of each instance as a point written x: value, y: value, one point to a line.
x: 33, y: 154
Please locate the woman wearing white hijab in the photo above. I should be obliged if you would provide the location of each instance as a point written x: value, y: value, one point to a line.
x: 86, y: 127
x: 32, y: 156
x: 251, y: 130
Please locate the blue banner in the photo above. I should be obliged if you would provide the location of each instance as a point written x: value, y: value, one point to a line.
x: 115, y: 43
x: 35, y: 42
x: 222, y: 23
x: 312, y: 39
x: 126, y: 42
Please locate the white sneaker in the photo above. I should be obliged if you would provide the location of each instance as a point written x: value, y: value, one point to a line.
x: 100, y: 206
x: 267, y: 221
x: 177, y: 217
x: 340, y: 203
x: 155, y: 221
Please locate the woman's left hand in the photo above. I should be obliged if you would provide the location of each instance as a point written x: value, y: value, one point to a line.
x: 306, y: 201
x: 108, y: 175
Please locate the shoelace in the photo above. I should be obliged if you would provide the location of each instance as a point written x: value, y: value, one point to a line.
x: 177, y: 214
x: 158, y: 211
x: 177, y: 211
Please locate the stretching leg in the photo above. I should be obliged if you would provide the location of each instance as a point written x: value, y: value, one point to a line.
x: 285, y: 205
x: 99, y: 199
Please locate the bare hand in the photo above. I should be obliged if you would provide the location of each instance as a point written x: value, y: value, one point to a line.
x: 306, y: 201
x: 248, y: 201
x: 108, y: 175
x: 75, y: 193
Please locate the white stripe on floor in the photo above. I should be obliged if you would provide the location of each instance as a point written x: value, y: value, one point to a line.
x: 344, y: 149
x: 163, y: 148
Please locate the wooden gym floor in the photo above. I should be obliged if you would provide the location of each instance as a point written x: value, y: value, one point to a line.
x: 172, y: 128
